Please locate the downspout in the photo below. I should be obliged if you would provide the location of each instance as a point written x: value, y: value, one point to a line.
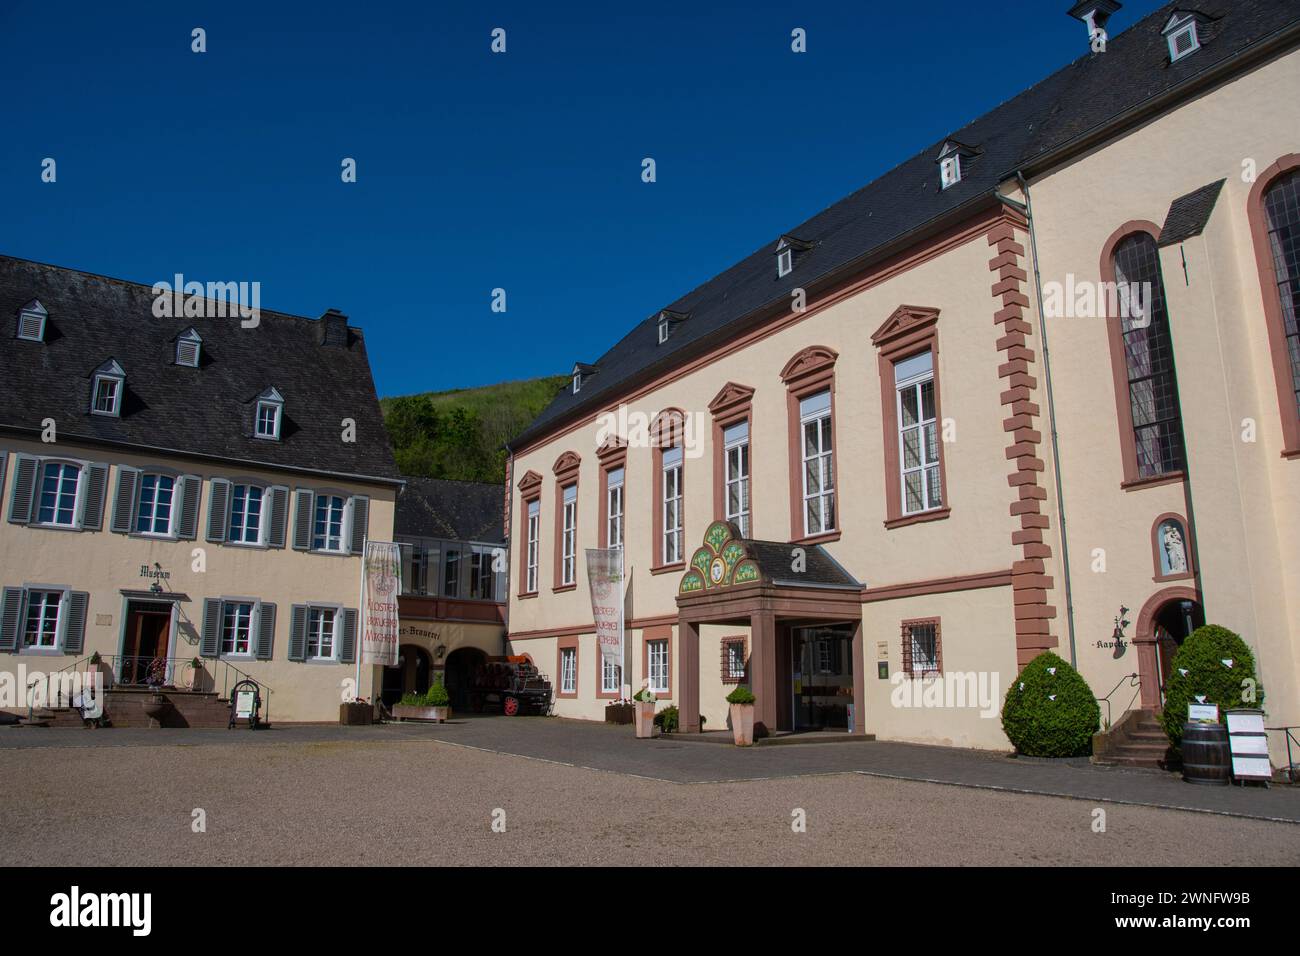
x: 1027, y: 208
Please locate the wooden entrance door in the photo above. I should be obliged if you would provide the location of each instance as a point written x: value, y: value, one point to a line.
x: 148, y: 633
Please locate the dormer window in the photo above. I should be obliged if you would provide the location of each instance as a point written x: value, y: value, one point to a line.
x: 788, y: 251
x: 669, y: 320
x: 188, y: 346
x: 1182, y: 36
x: 106, y: 390
x: 31, y: 322
x: 952, y: 159
x: 577, y: 382
x: 266, y: 420
x: 580, y: 375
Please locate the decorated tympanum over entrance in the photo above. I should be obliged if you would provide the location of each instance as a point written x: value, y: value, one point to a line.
x: 723, y: 560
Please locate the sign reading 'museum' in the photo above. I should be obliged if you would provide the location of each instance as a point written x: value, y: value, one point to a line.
x: 381, y: 585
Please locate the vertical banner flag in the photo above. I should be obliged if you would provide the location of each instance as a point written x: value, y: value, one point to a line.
x: 381, y: 584
x: 605, y: 576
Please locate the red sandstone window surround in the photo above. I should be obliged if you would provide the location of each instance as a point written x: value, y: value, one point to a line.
x: 734, y: 661
x: 613, y: 493
x: 732, y: 472
x: 668, y: 492
x: 922, y: 655
x: 657, y: 660
x: 916, y: 476
x: 566, y: 667
x: 814, y: 492
x: 566, y: 521
x: 1271, y: 209
x: 530, y: 521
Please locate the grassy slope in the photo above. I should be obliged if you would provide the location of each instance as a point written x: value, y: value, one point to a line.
x: 459, y: 434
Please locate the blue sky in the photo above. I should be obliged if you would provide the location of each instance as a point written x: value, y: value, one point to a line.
x: 476, y: 171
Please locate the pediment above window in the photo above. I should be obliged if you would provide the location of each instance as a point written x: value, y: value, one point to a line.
x: 810, y: 361
x: 906, y: 320
x: 531, y: 481
x: 566, y: 466
x: 731, y: 396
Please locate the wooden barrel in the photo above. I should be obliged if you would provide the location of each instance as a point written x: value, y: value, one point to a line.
x: 1206, y: 757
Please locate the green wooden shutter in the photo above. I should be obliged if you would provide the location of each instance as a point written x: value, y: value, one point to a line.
x: 24, y: 492
x: 210, y: 640
x: 124, y: 500
x: 74, y: 635
x: 298, y: 633
x: 187, y: 524
x: 279, y: 496
x: 11, y: 614
x: 348, y: 652
x: 218, y: 510
x: 265, y: 632
x: 360, y: 523
x: 92, y: 516
x: 304, y: 513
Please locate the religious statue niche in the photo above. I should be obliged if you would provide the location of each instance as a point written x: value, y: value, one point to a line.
x: 1173, y: 553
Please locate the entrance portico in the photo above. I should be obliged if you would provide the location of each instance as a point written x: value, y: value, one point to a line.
x: 772, y: 588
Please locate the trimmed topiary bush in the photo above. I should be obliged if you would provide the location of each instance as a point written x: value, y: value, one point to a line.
x: 741, y: 695
x: 437, y: 696
x: 1050, y: 711
x: 1198, y: 670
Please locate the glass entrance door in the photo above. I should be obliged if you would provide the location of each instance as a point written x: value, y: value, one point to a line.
x: 822, y: 675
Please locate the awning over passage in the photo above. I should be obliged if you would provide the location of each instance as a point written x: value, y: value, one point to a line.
x: 767, y: 586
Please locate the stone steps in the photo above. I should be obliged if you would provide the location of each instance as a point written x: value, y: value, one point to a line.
x: 1137, y: 740
x: 124, y: 707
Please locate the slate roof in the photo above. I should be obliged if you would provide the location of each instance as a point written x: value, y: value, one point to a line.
x: 775, y: 559
x: 1027, y: 133
x: 458, y: 510
x: 1189, y: 214
x: 205, y: 411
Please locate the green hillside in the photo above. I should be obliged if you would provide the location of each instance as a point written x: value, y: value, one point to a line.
x: 459, y: 434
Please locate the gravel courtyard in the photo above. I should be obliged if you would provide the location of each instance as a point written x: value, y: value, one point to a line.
x: 415, y: 800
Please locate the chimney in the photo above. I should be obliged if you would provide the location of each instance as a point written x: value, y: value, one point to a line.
x: 1094, y: 14
x: 332, y: 329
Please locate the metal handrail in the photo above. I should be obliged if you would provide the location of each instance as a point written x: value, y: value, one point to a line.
x: 1292, y: 774
x: 226, y: 682
x: 32, y: 684
x: 1134, y: 681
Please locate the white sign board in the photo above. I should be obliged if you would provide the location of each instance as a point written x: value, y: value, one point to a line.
x: 244, y: 704
x: 1205, y: 712
x: 1249, y: 744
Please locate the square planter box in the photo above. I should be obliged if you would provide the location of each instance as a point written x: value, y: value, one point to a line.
x: 645, y: 719
x: 413, y: 712
x: 355, y: 715
x: 619, y: 713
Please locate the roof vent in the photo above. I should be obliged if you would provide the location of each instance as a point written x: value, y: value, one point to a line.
x: 1094, y: 14
x: 31, y: 322
x: 1182, y: 34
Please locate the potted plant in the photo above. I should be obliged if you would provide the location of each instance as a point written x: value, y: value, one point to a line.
x: 667, y: 720
x: 356, y: 712
x: 742, y: 715
x: 413, y: 707
x: 439, y: 700
x: 644, y: 699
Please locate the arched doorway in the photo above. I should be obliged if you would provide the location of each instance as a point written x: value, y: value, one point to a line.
x: 410, y: 676
x: 1165, y: 621
x: 458, y: 675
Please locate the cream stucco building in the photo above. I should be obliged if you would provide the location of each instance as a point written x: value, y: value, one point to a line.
x: 943, y: 435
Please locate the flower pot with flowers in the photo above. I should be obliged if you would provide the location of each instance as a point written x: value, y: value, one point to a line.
x: 644, y: 699
x: 742, y: 715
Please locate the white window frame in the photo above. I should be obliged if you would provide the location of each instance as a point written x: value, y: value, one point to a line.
x: 950, y: 170
x: 577, y: 382
x: 568, y: 670
x: 114, y: 409
x: 32, y: 310
x: 277, y: 412
x: 664, y: 331
x: 671, y: 482
x: 169, y: 532
x: 60, y: 618
x: 78, y: 494
x: 785, y: 262
x: 235, y: 653
x: 657, y: 665
x: 189, y: 338
x: 345, y: 522
x: 1186, y: 28
x: 735, y: 656
x: 924, y: 467
x: 932, y: 661
x: 262, y: 516
x: 739, y: 478
x: 318, y: 635
x: 824, y: 457
x: 569, y: 541
x: 611, y: 677
x: 534, y: 545
x: 614, y: 507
